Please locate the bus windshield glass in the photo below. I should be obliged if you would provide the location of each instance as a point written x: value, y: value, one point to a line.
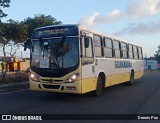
x: 55, y: 53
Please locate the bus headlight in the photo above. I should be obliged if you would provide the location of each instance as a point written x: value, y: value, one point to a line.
x: 34, y: 77
x: 72, y: 78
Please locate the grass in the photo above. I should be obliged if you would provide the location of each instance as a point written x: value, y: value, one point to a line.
x: 152, y: 70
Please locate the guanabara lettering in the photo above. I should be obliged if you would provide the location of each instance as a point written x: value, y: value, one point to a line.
x: 123, y: 64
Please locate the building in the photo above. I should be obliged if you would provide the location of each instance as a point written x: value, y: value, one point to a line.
x: 0, y: 64
x: 158, y: 66
x: 24, y: 65
x: 16, y: 64
x: 150, y: 64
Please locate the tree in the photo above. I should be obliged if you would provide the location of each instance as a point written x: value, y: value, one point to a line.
x: 4, y: 4
x: 39, y: 20
x: 157, y: 55
x: 13, y: 47
x: 13, y: 34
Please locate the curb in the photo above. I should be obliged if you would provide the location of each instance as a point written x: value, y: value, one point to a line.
x: 14, y: 86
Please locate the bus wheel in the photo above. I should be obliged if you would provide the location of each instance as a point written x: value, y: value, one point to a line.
x: 131, y: 79
x: 99, y: 88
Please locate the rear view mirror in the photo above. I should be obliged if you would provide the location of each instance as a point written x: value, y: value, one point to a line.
x: 46, y: 44
x: 32, y: 48
x: 27, y: 44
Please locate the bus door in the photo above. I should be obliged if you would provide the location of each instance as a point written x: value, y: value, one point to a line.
x: 88, y: 68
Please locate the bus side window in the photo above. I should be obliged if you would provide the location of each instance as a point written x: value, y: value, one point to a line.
x: 140, y: 53
x: 130, y: 49
x: 87, y: 51
x: 135, y: 52
x: 124, y: 50
x: 98, y: 46
x: 108, y: 51
x: 88, y: 47
x: 116, y: 47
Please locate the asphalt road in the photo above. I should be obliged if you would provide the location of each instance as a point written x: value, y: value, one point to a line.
x: 141, y: 98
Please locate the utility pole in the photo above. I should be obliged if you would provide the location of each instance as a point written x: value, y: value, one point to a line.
x: 21, y: 54
x: 146, y: 61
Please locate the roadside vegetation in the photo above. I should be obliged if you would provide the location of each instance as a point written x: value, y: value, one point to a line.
x: 12, y: 77
x: 158, y: 70
x: 13, y: 33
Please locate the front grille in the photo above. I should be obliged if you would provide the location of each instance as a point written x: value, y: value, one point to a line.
x: 51, y: 80
x: 51, y: 86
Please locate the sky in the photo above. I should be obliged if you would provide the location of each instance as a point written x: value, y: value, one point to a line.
x: 135, y: 20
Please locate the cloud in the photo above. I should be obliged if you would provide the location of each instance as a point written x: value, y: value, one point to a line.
x: 111, y: 17
x: 137, y: 9
x: 158, y: 6
x: 142, y: 8
x: 140, y: 28
x: 89, y: 21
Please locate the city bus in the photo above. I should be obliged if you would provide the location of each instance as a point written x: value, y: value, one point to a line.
x: 77, y: 59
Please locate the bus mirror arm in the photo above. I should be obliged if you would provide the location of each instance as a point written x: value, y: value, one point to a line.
x: 81, y: 56
x: 84, y: 63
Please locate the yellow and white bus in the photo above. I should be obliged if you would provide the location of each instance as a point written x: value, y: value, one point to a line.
x: 76, y: 59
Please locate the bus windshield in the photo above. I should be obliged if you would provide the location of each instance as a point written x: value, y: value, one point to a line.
x: 55, y: 53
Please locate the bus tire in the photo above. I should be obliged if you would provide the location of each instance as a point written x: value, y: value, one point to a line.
x: 99, y: 88
x: 131, y: 82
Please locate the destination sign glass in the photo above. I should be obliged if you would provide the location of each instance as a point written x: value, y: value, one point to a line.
x: 54, y: 31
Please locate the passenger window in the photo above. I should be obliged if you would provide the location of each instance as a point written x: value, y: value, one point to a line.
x: 87, y: 51
x: 135, y: 52
x: 140, y: 53
x: 124, y: 50
x: 88, y: 47
x: 130, y: 48
x: 108, y: 51
x: 116, y: 48
x: 98, y: 46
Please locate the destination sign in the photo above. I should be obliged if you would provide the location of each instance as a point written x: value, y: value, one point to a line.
x: 55, y: 31
x: 123, y: 64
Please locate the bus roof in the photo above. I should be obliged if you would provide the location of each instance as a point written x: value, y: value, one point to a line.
x: 85, y: 28
x: 107, y: 35
x: 58, y: 25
